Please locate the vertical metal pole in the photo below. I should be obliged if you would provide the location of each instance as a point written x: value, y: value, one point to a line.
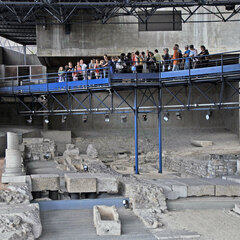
x: 24, y: 55
x: 160, y: 128
x: 136, y: 130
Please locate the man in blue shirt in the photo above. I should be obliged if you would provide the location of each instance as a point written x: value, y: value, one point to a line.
x: 187, y: 59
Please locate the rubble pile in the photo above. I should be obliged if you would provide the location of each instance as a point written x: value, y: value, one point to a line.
x: 19, y: 220
x: 15, y: 194
x: 147, y: 201
x: 38, y: 149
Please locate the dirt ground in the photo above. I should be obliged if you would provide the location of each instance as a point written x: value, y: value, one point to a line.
x: 211, y: 224
x: 174, y: 139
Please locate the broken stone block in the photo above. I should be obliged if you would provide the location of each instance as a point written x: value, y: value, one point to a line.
x: 197, y: 187
x: 80, y: 183
x: 224, y: 188
x: 236, y: 208
x: 106, y: 220
x: 198, y: 143
x: 92, y: 151
x: 21, y: 221
x: 15, y: 194
x: 32, y: 140
x: 106, y: 183
x: 42, y: 182
x: 72, y: 151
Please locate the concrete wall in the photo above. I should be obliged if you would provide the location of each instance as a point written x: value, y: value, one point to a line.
x: 1, y: 55
x: 61, y: 138
x: 9, y: 116
x: 10, y: 57
x: 190, y: 119
x: 96, y: 39
x: 231, y: 117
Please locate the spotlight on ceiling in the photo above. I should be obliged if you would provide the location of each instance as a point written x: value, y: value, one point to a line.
x: 29, y: 120
x: 106, y: 118
x: 123, y: 118
x: 166, y: 116
x: 208, y: 115
x: 144, y: 117
x: 125, y: 203
x: 46, y: 120
x: 85, y: 118
x: 64, y: 118
x: 179, y: 115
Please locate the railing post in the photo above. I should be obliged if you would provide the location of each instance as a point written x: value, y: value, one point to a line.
x: 160, y: 127
x: 136, y: 130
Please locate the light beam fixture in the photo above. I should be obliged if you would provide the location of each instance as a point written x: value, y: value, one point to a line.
x: 179, y: 115
x: 85, y: 118
x: 46, y: 120
x: 144, y: 117
x: 208, y: 115
x: 123, y: 118
x: 64, y: 118
x: 29, y: 120
x: 106, y: 118
x: 166, y: 116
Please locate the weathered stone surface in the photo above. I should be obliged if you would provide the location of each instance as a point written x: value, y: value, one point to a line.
x: 80, y: 183
x: 106, y: 220
x: 196, y: 187
x: 235, y: 179
x: 17, y: 179
x: 224, y: 188
x: 32, y: 140
x: 238, y: 166
x: 12, y: 141
x: 15, y: 194
x: 147, y: 201
x: 106, y: 183
x: 198, y: 143
x: 92, y: 151
x: 39, y: 149
x: 171, y: 188
x: 42, y: 182
x: 71, y: 151
x: 23, y: 220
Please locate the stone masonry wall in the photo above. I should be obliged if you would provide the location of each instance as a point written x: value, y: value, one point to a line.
x: 214, y: 165
x: 36, y: 149
x: 221, y: 165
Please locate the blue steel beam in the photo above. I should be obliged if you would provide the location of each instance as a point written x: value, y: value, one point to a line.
x: 136, y: 130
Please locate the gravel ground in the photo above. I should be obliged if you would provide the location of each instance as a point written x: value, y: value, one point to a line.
x: 174, y: 139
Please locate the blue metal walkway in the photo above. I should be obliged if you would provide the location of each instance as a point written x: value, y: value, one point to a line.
x: 125, y: 80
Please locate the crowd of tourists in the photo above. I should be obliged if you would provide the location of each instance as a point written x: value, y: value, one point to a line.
x: 138, y: 62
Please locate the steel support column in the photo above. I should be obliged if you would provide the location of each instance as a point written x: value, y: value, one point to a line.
x: 24, y: 55
x: 160, y: 128
x: 136, y: 130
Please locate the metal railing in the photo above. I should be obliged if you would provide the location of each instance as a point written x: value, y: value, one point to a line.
x: 126, y: 71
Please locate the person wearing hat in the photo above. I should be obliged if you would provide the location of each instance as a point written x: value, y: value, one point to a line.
x: 186, y: 56
x: 166, y: 60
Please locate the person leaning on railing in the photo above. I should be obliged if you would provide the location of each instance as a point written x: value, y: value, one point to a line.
x: 166, y: 60
x: 186, y: 58
x: 61, y: 74
x: 203, y: 57
x: 193, y: 55
x: 175, y: 59
x: 152, y: 63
